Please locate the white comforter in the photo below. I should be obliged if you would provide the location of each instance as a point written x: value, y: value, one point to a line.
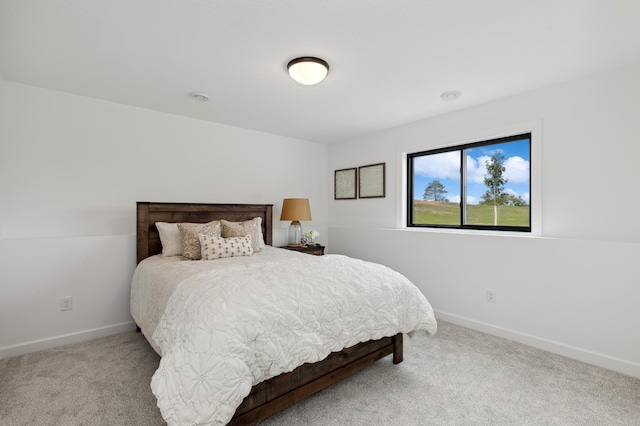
x: 226, y: 330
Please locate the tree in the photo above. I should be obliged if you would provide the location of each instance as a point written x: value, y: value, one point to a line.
x: 512, y: 200
x: 504, y: 200
x: 435, y: 191
x: 495, y: 181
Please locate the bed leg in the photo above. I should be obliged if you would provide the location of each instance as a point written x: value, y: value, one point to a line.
x: 397, y: 348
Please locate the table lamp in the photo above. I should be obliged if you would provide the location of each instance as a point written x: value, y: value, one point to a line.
x: 295, y: 210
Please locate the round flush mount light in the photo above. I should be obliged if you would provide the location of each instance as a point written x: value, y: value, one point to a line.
x: 450, y: 95
x: 200, y: 96
x: 308, y: 70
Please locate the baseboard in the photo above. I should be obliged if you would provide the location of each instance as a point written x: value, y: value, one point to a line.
x: 601, y: 360
x: 66, y: 339
x: 590, y: 357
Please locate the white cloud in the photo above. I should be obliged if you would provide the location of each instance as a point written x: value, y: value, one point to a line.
x: 439, y: 166
x: 477, y: 168
x: 517, y: 170
x: 446, y: 166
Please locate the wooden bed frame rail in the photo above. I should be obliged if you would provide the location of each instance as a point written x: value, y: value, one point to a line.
x: 282, y: 391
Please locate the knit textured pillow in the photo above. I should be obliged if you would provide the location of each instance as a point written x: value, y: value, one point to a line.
x: 251, y: 227
x: 190, y: 242
x: 217, y: 248
x: 170, y: 238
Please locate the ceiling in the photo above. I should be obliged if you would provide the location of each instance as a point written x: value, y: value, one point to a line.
x: 390, y: 60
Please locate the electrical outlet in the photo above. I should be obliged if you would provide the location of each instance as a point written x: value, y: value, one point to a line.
x: 491, y: 295
x: 66, y: 303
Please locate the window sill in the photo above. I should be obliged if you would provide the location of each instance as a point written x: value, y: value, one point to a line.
x: 470, y: 232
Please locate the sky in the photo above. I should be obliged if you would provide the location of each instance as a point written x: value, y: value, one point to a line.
x: 445, y: 167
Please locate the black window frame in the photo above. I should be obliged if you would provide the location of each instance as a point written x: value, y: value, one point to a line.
x: 462, y: 148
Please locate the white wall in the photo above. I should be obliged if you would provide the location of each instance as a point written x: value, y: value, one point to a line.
x: 71, y: 170
x: 575, y: 289
x: 2, y: 145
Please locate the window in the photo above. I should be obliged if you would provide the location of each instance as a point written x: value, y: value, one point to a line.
x: 481, y: 185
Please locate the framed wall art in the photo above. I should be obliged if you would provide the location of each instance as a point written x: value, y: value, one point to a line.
x: 372, y: 181
x: 345, y: 183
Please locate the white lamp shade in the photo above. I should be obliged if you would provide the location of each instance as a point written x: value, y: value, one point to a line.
x: 308, y: 71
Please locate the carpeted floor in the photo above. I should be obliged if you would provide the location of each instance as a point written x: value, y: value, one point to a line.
x: 458, y: 377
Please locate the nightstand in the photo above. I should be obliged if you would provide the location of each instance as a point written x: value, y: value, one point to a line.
x: 315, y: 250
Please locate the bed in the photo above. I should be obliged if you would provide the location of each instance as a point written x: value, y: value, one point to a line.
x: 282, y: 390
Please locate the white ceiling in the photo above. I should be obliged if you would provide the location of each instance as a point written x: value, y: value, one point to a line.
x: 390, y: 60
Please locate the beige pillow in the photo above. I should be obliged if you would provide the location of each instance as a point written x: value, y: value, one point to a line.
x: 170, y: 238
x: 251, y: 227
x: 190, y: 242
x: 217, y: 248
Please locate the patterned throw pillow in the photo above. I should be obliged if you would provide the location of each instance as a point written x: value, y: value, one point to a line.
x: 217, y: 248
x: 190, y: 241
x: 251, y: 227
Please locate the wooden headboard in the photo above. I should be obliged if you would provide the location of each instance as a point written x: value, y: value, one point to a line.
x: 148, y: 238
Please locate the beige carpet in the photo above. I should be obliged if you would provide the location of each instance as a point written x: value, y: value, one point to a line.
x: 459, y: 377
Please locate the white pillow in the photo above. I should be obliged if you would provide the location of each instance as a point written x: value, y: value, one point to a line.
x: 170, y: 238
x: 218, y: 247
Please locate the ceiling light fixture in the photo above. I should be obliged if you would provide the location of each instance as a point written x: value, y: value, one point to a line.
x: 199, y: 96
x: 450, y: 95
x: 308, y: 70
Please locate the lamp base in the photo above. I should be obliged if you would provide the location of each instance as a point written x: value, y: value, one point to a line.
x: 295, y: 233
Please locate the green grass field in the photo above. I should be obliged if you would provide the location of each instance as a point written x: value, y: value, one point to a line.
x: 430, y: 213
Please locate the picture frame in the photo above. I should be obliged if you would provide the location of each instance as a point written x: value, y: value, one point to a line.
x: 345, y: 184
x: 372, y: 181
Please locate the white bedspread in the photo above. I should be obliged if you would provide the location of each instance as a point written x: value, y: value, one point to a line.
x: 226, y: 330
x: 156, y: 278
